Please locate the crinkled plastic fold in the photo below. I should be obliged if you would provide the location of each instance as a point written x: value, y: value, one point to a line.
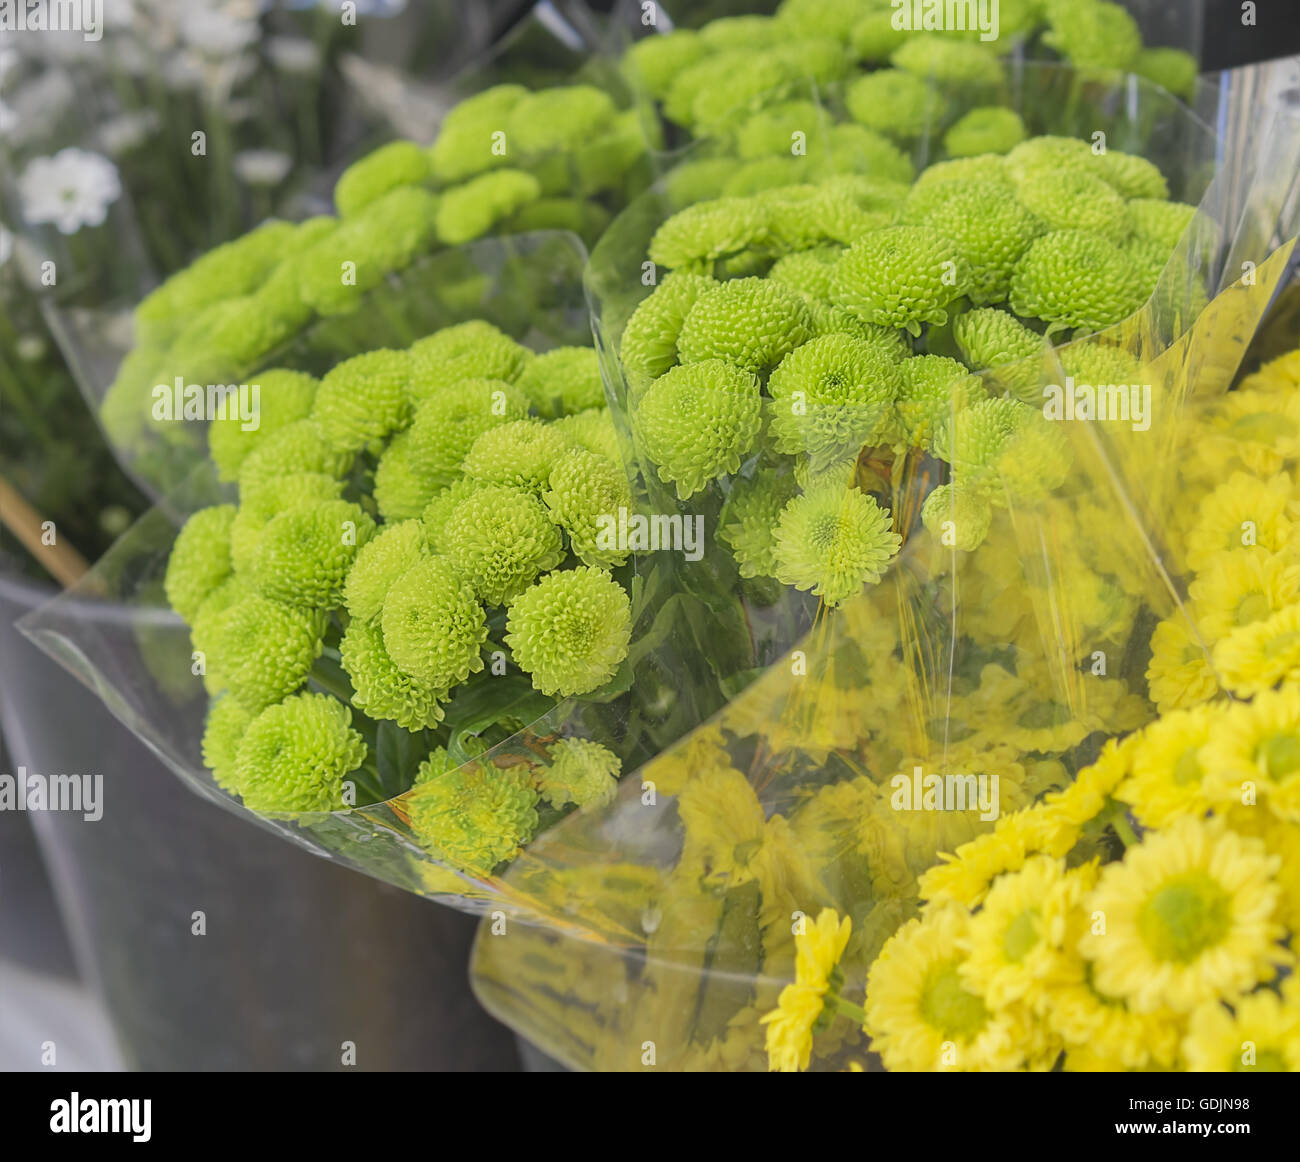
x: 659, y: 929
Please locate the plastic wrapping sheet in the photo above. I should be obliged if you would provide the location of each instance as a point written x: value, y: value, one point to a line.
x: 677, y: 674
x: 656, y: 932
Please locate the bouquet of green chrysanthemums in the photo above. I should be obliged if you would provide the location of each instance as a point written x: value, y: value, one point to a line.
x: 410, y: 597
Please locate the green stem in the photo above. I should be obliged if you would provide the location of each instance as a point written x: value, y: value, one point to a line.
x: 1125, y: 831
x: 848, y: 1009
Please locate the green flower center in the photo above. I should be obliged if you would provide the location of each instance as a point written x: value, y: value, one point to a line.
x: 1279, y: 755
x: 1021, y: 936
x: 1282, y: 645
x: 825, y: 532
x: 1184, y: 917
x: 1252, y: 607
x: 947, y: 1005
x: 1262, y: 428
x: 1188, y: 768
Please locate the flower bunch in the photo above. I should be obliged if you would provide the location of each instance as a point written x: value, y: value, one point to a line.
x: 408, y: 533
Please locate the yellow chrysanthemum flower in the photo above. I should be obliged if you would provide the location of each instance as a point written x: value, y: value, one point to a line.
x: 1254, y: 754
x: 1260, y: 1035
x: 1103, y: 1035
x: 1167, y: 776
x: 1281, y: 375
x: 723, y: 820
x: 1179, y: 673
x: 965, y: 877
x: 1243, y: 512
x: 1258, y: 656
x: 818, y: 948
x: 1259, y: 428
x: 920, y: 1014
x: 1242, y: 588
x: 1014, y: 949
x: 1187, y: 918
x: 790, y: 1028
x: 1085, y: 798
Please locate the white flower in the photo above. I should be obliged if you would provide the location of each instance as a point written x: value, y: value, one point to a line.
x: 217, y: 33
x: 293, y: 54
x: 262, y: 167
x: 124, y: 132
x: 72, y: 189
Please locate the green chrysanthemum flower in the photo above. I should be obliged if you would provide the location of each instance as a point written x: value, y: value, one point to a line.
x: 816, y: 58
x: 1090, y: 361
x: 564, y: 381
x: 895, y: 103
x: 901, y: 276
x: 699, y: 235
x: 472, y: 350
x: 959, y: 519
x: 1170, y: 68
x: 379, y: 562
x: 800, y: 217
x: 655, y: 61
x: 303, y: 555
x: 584, y: 218
x: 593, y: 431
x: 470, y: 211
x: 203, y: 630
x: 701, y: 180
x: 1132, y: 176
x: 402, y: 484
x: 1004, y: 450
x: 749, y: 518
x: 296, y: 756
x: 520, y: 454
x: 1160, y: 222
x: 200, y: 559
x: 434, y: 627
x: 750, y: 322
x: 775, y: 130
x: 262, y: 650
x: 889, y: 341
x: 474, y: 817
x: 875, y: 39
x: 466, y: 140
x: 830, y: 19
x: 363, y: 398
x: 989, y: 338
x: 767, y: 173
x: 1094, y: 34
x: 380, y: 687
x: 830, y: 397
x: 696, y: 422
x: 225, y: 272
x: 570, y: 631
x: 501, y: 538
x: 439, y: 510
x: 988, y: 129
x: 557, y: 119
x: 227, y: 340
x: 866, y: 154
x: 733, y: 92
x: 933, y: 387
x: 649, y: 344
x: 283, y: 398
x: 1073, y: 200
x: 581, y: 772
x: 388, y: 235
x: 1072, y: 279
x: 400, y: 163
x: 585, y: 495
x: 742, y: 32
x: 808, y: 271
x: 991, y: 229
x: 833, y: 542
x: 1047, y: 153
x: 983, y: 167
x: 262, y: 500
x: 954, y: 62
x: 447, y: 425
x: 227, y: 724
x: 695, y: 79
